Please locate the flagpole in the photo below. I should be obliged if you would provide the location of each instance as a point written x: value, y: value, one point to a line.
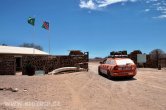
x: 46, y: 26
x: 49, y: 40
x: 34, y: 37
x: 34, y: 40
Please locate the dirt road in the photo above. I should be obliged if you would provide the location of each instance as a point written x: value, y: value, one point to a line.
x: 86, y: 91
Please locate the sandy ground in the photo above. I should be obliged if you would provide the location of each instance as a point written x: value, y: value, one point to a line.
x: 85, y: 91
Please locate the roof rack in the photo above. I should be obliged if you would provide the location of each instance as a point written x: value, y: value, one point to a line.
x: 118, y: 54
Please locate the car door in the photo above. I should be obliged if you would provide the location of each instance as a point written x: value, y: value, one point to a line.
x: 104, y: 67
x: 112, y: 65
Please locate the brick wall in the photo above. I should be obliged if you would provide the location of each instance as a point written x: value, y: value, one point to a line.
x: 7, y: 65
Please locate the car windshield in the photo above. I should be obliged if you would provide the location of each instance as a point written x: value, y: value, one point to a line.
x: 124, y: 61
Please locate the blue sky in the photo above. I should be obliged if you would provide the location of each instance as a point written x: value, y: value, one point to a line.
x: 97, y: 26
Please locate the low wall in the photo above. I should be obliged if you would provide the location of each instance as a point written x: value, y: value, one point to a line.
x: 162, y: 62
x: 49, y: 63
x: 46, y: 63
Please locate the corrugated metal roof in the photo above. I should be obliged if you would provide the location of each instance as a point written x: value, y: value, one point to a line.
x: 20, y: 50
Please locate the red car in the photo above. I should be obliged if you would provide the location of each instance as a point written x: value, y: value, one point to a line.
x: 118, y: 67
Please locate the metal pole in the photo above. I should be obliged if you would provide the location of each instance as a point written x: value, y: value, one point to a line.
x: 157, y: 53
x: 34, y: 36
x: 49, y: 41
x: 34, y: 41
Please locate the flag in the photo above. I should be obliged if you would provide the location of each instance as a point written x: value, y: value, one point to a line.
x: 31, y: 21
x: 45, y: 25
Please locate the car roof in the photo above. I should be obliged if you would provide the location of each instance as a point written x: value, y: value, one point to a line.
x: 121, y: 61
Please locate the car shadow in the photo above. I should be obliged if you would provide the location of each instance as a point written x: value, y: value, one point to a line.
x: 122, y: 79
x: 119, y: 78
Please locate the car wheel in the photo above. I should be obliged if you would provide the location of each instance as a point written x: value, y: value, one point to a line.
x: 99, y: 72
x: 130, y: 77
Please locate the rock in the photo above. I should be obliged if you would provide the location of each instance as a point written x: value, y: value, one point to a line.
x: 15, y: 90
x: 25, y: 90
x: 8, y: 89
x: 1, y: 88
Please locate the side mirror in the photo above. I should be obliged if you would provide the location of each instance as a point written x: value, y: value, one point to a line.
x: 101, y: 62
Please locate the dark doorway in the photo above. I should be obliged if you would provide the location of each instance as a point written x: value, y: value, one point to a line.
x: 18, y: 64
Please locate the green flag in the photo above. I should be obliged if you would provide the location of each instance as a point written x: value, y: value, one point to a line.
x: 31, y: 21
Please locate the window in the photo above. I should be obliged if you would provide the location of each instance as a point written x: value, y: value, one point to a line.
x: 111, y: 62
x: 124, y: 61
x: 107, y: 61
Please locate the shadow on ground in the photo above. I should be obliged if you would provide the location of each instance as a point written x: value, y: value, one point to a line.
x: 119, y: 78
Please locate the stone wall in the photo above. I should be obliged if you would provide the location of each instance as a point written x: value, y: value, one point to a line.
x: 49, y: 63
x: 162, y: 62
x: 46, y: 63
x: 7, y: 63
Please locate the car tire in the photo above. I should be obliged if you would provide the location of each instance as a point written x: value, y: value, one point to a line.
x: 99, y: 72
x: 130, y: 77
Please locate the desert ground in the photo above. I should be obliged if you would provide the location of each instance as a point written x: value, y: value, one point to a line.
x: 85, y: 91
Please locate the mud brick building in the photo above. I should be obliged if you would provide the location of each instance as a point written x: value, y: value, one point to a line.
x: 13, y: 59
